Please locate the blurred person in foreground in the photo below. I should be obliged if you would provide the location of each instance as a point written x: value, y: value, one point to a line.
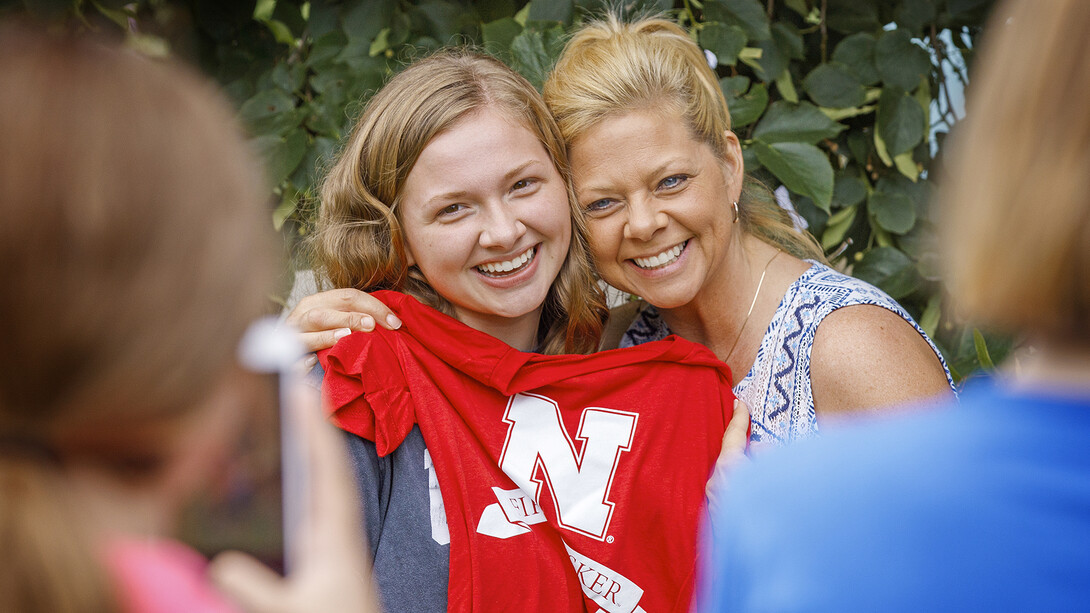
x: 983, y: 506
x: 133, y: 258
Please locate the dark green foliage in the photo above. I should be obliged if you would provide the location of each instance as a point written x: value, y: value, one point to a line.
x: 844, y: 102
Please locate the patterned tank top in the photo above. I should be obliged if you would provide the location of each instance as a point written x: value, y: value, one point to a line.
x: 777, y: 387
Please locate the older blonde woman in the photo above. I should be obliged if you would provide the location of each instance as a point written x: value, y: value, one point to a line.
x: 672, y: 219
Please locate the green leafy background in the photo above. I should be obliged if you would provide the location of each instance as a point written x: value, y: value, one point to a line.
x: 844, y: 102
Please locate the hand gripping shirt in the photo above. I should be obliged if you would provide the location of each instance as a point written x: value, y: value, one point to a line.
x: 571, y: 483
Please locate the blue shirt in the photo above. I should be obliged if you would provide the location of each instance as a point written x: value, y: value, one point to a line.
x: 982, y: 507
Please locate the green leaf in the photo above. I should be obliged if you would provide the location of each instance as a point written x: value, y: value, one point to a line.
x: 284, y: 210
x: 529, y: 55
x: 322, y: 19
x: 281, y: 32
x: 786, y: 87
x: 834, y: 85
x: 836, y: 228
x: 913, y: 15
x: 445, y: 20
x: 734, y: 86
x: 773, y: 60
x: 281, y: 154
x: 893, y: 211
x: 552, y: 10
x: 367, y: 18
x: 901, y: 62
x: 746, y: 14
x: 789, y: 40
x: 849, y: 191
x: 900, y: 121
x: 723, y: 40
x: 802, y: 167
x: 326, y: 47
x: 857, y: 53
x: 982, y: 353
x: 889, y: 269
x: 799, y: 6
x: 288, y: 78
x: 860, y: 145
x: 929, y: 320
x: 849, y: 16
x: 499, y: 34
x: 266, y: 103
x: 803, y: 122
x: 744, y: 109
x: 906, y: 165
x: 381, y: 42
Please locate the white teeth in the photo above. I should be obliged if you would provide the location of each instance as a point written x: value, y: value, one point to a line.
x: 509, y: 265
x: 662, y: 259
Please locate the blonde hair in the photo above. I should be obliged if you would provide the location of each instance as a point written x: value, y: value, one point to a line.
x: 132, y: 260
x: 1017, y: 207
x: 359, y: 241
x: 610, y: 67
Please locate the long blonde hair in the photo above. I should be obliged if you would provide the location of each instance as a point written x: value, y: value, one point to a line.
x: 610, y: 67
x: 1016, y: 203
x: 359, y: 241
x: 132, y: 258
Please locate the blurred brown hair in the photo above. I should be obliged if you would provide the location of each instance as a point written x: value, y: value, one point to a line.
x: 1017, y: 199
x: 132, y: 257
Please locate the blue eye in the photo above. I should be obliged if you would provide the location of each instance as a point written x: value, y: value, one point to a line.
x: 599, y: 205
x: 673, y: 181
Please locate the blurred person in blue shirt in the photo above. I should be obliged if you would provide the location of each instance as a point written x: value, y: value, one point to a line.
x: 986, y: 505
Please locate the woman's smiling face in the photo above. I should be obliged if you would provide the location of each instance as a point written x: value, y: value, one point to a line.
x: 486, y: 220
x: 658, y: 204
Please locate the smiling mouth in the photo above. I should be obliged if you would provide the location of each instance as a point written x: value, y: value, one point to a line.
x: 514, y: 265
x: 666, y: 257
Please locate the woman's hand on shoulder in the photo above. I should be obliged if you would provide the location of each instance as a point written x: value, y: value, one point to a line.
x: 324, y: 318
x: 867, y: 357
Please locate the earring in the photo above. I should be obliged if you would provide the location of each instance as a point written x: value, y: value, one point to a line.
x: 736, y: 212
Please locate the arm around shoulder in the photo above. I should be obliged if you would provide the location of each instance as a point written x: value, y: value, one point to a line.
x: 620, y: 317
x: 867, y: 357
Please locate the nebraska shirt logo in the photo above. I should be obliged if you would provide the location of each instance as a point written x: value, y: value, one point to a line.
x: 579, y: 480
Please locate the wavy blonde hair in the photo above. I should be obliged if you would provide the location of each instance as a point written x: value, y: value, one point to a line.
x: 610, y: 67
x: 1016, y: 208
x: 359, y: 240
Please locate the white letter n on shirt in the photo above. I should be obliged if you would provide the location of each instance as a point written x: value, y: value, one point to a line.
x: 579, y: 481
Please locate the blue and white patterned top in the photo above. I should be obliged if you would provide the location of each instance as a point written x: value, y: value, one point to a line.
x: 777, y: 387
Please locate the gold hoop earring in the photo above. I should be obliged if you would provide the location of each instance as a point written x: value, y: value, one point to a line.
x: 737, y: 214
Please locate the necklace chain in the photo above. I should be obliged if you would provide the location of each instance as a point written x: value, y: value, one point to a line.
x: 752, y: 304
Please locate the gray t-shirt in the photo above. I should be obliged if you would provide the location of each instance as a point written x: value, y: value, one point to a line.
x: 410, y: 552
x: 404, y: 520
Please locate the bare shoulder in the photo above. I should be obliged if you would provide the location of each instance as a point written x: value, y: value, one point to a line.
x: 868, y: 357
x: 620, y: 317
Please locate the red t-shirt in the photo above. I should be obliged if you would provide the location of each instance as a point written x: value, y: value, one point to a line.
x: 570, y: 482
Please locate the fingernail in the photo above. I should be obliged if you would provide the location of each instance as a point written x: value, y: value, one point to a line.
x: 393, y: 321
x: 343, y: 332
x: 309, y: 362
x: 367, y: 323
